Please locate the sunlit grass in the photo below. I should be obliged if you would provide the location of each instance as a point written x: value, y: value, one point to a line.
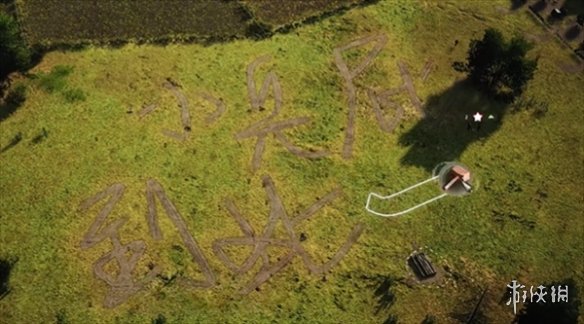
x: 95, y: 142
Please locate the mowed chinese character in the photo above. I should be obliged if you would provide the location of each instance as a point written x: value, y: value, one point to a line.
x: 267, y: 126
x: 260, y: 242
x: 122, y: 286
x: 380, y: 99
x: 183, y: 105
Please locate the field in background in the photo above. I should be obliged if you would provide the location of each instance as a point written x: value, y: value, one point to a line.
x: 79, y: 132
x: 72, y: 22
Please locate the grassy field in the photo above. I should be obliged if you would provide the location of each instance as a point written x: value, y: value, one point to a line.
x: 79, y: 132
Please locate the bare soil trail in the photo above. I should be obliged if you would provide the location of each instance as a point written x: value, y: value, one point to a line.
x: 348, y: 75
x: 154, y: 190
x: 265, y: 239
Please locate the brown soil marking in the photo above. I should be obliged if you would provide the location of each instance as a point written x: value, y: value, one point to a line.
x: 298, y: 151
x: 270, y: 128
x: 127, y: 256
x: 250, y: 261
x: 183, y: 105
x: 262, y: 129
x: 94, y: 235
x: 256, y: 160
x: 220, y: 108
x: 351, y: 239
x: 257, y: 101
x: 260, y: 243
x: 409, y: 86
x: 172, y: 134
x: 264, y: 275
x: 571, y: 68
x: 241, y: 221
x: 380, y: 102
x: 428, y: 67
x: 147, y: 109
x: 348, y: 76
x: 310, y: 211
x: 154, y: 190
x: 123, y: 287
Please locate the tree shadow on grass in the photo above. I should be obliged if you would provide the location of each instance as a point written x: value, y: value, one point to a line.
x: 5, y: 268
x: 516, y: 4
x: 443, y: 134
x: 573, y: 32
x: 550, y: 312
x: 14, y: 99
x: 384, y: 294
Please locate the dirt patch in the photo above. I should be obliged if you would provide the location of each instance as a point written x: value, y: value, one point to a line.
x: 122, y: 285
x: 146, y: 109
x: 262, y: 241
x: 219, y: 108
x: 348, y: 75
x: 262, y: 130
x: 174, y: 135
x: 154, y: 190
x: 257, y: 100
x: 428, y: 67
x: 266, y: 126
x: 298, y: 151
x: 502, y: 10
x: 94, y: 235
x: 183, y: 104
x: 571, y: 68
x: 409, y: 87
x: 381, y: 103
x: 539, y: 38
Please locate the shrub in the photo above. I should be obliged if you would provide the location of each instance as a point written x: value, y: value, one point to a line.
x: 55, y: 80
x: 72, y: 95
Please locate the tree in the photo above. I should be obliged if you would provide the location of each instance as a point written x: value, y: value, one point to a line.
x: 580, y: 19
x: 14, y: 53
x: 500, y: 67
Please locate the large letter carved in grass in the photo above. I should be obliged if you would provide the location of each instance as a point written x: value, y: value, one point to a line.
x: 121, y: 286
x: 260, y: 242
x: 257, y: 100
x: 349, y: 75
x: 184, y: 112
x: 154, y: 190
x: 266, y: 126
x: 381, y: 101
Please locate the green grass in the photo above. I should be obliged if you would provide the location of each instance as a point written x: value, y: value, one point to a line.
x: 92, y: 143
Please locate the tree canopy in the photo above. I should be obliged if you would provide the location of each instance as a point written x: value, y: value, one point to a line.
x: 14, y: 52
x: 499, y: 66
